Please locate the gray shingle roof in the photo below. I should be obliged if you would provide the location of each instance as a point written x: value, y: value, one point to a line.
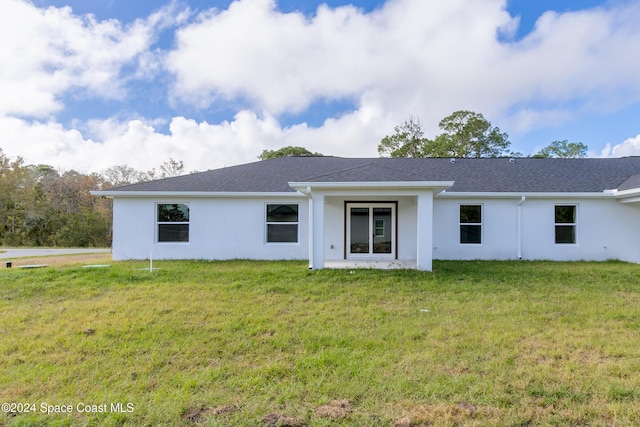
x: 632, y: 182
x: 470, y: 175
x: 369, y: 172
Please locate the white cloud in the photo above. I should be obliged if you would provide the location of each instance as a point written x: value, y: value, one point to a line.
x: 582, y: 55
x: 286, y: 61
x: 425, y: 58
x: 38, y: 142
x: 408, y: 57
x: 629, y: 147
x: 525, y: 119
x: 47, y: 52
x: 200, y: 145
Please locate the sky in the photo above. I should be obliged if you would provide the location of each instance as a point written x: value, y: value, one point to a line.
x: 87, y: 85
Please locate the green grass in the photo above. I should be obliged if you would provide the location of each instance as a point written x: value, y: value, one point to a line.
x: 248, y: 343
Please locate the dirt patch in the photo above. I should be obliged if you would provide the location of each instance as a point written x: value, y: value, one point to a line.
x: 194, y: 414
x: 224, y: 409
x: 276, y: 420
x: 335, y: 409
x: 59, y: 260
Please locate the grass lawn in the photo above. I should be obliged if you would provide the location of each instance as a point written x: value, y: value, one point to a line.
x: 271, y: 343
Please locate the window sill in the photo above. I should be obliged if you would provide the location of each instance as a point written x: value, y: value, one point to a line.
x: 172, y: 243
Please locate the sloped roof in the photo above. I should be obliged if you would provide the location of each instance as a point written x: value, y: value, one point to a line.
x: 469, y: 175
x: 369, y: 172
x: 630, y: 183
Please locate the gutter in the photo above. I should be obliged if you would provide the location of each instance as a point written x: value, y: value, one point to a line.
x: 308, y: 193
x: 532, y: 195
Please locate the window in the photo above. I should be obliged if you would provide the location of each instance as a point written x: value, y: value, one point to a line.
x: 282, y: 223
x: 471, y: 224
x: 565, y: 224
x: 379, y: 228
x: 173, y: 222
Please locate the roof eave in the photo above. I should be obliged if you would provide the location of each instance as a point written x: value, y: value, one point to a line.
x: 631, y: 195
x: 191, y: 194
x: 304, y: 187
x: 528, y: 194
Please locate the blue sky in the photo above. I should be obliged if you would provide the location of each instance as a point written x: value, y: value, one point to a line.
x: 92, y: 84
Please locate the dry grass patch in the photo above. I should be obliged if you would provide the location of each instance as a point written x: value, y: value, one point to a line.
x: 442, y: 414
x: 59, y: 260
x: 277, y: 420
x: 224, y: 409
x: 200, y: 414
x: 335, y: 409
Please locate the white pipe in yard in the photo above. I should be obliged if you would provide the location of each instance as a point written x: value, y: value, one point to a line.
x: 522, y: 200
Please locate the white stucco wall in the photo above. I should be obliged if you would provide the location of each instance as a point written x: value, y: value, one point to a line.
x: 499, y: 229
x: 219, y: 228
x: 228, y: 228
x: 606, y: 229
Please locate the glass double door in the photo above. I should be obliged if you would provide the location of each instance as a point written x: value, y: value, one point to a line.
x: 371, y: 230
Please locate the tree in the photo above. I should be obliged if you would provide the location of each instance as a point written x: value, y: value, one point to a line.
x: 563, y: 149
x: 120, y: 175
x: 407, y: 141
x: 287, y: 151
x: 468, y: 134
x: 40, y: 206
x: 16, y: 188
x: 117, y: 176
x: 171, y: 168
x: 465, y: 134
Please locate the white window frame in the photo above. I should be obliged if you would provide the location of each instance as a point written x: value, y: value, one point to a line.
x: 573, y: 224
x: 267, y: 223
x: 460, y: 224
x: 393, y: 229
x: 158, y: 223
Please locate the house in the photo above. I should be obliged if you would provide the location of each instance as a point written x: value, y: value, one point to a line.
x: 380, y: 212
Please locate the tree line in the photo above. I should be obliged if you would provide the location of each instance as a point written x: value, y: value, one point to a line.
x: 42, y: 206
x: 465, y: 134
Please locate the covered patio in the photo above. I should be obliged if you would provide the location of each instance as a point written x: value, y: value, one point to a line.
x: 370, y: 224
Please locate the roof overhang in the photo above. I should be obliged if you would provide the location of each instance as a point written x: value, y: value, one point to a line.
x: 631, y: 195
x: 529, y: 195
x: 369, y: 186
x: 190, y: 194
x: 438, y: 187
